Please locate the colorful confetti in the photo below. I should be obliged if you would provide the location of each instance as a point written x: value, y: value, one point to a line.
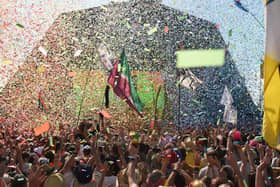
x: 58, y: 49
x: 19, y: 25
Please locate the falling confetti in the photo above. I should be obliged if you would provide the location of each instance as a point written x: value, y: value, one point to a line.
x: 152, y: 31
x: 19, y: 25
x: 150, y: 34
x: 6, y: 62
x: 166, y: 29
x: 77, y: 53
x: 43, y: 50
x: 230, y: 33
x: 41, y: 69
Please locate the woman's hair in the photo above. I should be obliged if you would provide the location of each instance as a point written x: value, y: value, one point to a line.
x: 155, y: 178
x: 179, y: 180
x: 155, y: 162
x: 206, y: 180
x: 229, y: 172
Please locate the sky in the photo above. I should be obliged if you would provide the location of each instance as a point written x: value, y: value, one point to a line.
x: 36, y: 16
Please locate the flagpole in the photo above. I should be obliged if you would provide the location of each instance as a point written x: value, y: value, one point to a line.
x: 155, y: 114
x: 81, y: 103
x: 179, y: 100
x: 179, y: 106
x: 84, y: 89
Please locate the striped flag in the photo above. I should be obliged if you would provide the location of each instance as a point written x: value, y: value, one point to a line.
x: 120, y: 80
x: 271, y: 121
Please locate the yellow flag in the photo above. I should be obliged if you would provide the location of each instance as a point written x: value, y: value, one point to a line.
x: 271, y: 121
x: 200, y: 58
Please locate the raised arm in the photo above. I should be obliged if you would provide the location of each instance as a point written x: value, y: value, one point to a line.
x: 233, y: 163
x: 133, y: 151
x: 244, y: 161
x: 19, y: 157
x: 262, y: 168
x: 68, y: 164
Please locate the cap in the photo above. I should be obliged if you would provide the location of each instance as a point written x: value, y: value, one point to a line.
x: 236, y: 136
x: 55, y: 180
x: 43, y: 161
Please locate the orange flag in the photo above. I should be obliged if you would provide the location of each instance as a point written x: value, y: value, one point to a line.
x: 42, y: 129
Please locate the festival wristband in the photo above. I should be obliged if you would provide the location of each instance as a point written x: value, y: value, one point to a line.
x: 245, y: 183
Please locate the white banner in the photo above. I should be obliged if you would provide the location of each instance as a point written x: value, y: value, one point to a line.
x: 230, y: 115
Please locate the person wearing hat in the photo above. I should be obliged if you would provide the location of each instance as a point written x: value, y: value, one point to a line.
x: 86, y: 150
x: 55, y: 180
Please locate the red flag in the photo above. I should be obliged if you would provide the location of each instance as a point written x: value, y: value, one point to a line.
x: 120, y: 80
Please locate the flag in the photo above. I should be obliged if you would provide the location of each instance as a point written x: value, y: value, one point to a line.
x: 105, y: 56
x: 230, y: 114
x: 200, y: 58
x: 120, y: 80
x: 189, y: 80
x: 271, y: 121
x: 227, y: 97
x: 42, y: 129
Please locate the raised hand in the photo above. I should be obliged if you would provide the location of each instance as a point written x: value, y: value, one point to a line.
x: 133, y: 149
x: 38, y: 178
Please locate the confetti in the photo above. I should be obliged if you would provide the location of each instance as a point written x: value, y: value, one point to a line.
x: 152, y: 31
x: 152, y: 124
x: 43, y: 50
x: 132, y: 133
x: 105, y: 114
x: 6, y: 62
x: 19, y: 25
x: 51, y: 141
x: 230, y: 33
x: 41, y: 69
x: 21, y: 143
x: 77, y: 53
x: 71, y: 74
x: 166, y: 29
x: 149, y: 51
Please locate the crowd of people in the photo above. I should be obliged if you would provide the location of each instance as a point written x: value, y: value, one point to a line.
x: 92, y: 154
